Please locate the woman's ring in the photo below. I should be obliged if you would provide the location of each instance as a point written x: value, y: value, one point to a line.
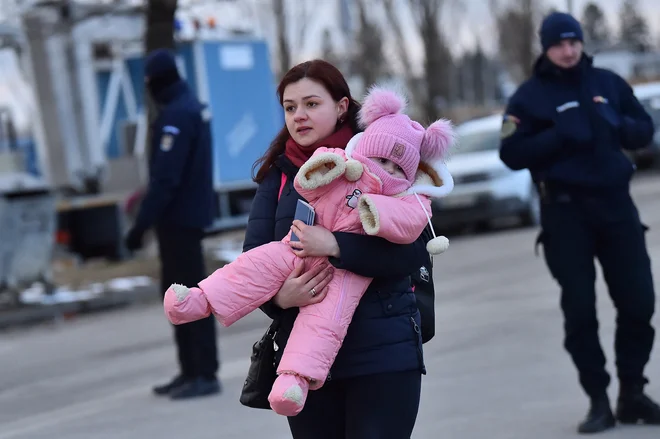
x: 312, y: 292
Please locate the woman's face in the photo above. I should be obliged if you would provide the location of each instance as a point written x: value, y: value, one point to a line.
x: 310, y: 112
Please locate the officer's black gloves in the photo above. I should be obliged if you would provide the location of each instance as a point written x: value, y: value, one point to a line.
x: 134, y: 239
x: 574, y: 132
x: 627, y: 128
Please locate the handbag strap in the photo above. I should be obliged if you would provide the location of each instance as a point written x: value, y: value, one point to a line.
x: 275, y: 326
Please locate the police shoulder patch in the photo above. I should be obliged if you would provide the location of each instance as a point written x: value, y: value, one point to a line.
x: 166, y: 142
x: 509, y: 125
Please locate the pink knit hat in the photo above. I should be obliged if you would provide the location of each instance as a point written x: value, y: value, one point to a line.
x: 391, y: 135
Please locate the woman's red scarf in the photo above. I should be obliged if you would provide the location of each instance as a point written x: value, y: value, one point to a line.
x: 299, y: 155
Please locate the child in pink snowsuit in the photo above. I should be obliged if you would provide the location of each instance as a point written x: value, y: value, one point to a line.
x: 372, y: 187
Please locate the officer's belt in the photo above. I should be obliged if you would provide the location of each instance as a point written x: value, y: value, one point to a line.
x: 557, y: 191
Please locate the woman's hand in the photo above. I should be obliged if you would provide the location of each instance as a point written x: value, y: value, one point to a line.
x: 302, y: 289
x: 315, y: 241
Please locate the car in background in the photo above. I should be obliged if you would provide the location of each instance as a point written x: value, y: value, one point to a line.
x: 485, y: 188
x: 649, y: 96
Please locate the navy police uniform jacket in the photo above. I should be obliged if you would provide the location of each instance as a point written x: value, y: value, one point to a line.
x: 568, y: 127
x: 385, y: 332
x: 180, y: 192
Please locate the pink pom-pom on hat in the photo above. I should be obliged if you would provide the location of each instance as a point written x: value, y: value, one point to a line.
x: 380, y: 102
x: 439, y: 137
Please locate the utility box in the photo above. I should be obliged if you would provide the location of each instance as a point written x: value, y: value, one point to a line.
x: 235, y: 79
x: 28, y: 224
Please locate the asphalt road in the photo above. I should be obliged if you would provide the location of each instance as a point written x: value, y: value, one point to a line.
x: 497, y: 368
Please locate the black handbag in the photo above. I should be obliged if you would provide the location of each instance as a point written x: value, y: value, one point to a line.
x: 262, y: 372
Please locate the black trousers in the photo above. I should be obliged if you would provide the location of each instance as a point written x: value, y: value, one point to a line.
x: 182, y: 262
x: 577, y: 229
x: 382, y: 406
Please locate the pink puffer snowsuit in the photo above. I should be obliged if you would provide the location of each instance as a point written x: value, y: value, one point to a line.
x: 346, y: 195
x: 240, y: 287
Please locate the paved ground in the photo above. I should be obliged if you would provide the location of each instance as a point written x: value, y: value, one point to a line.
x: 497, y: 368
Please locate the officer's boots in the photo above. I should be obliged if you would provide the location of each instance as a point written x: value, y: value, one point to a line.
x: 633, y: 406
x: 599, y: 418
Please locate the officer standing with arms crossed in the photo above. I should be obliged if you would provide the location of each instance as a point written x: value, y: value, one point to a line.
x: 179, y: 204
x: 567, y: 124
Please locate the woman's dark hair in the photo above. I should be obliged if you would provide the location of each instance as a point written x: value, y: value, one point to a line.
x: 334, y: 82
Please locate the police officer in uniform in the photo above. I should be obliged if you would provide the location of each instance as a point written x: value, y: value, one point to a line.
x: 567, y: 125
x: 179, y: 204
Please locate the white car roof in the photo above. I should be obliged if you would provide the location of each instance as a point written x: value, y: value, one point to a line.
x: 488, y: 123
x: 648, y: 90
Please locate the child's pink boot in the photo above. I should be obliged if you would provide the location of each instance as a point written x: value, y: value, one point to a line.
x: 288, y: 395
x: 185, y: 305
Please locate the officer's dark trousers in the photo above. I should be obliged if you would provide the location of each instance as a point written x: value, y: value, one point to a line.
x: 576, y: 229
x: 381, y: 406
x: 182, y: 262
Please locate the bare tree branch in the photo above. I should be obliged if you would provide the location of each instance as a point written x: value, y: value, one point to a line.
x: 160, y: 24
x: 517, y: 39
x: 367, y: 58
x: 302, y: 20
x: 394, y: 25
x: 283, y: 48
x: 284, y: 28
x: 438, y: 62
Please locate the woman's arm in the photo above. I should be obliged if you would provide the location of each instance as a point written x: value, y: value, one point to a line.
x: 368, y: 256
x: 371, y: 256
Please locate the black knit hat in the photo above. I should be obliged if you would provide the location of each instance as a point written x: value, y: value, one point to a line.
x: 161, y: 69
x: 559, y: 26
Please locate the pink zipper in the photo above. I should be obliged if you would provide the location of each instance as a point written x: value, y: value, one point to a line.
x: 342, y: 294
